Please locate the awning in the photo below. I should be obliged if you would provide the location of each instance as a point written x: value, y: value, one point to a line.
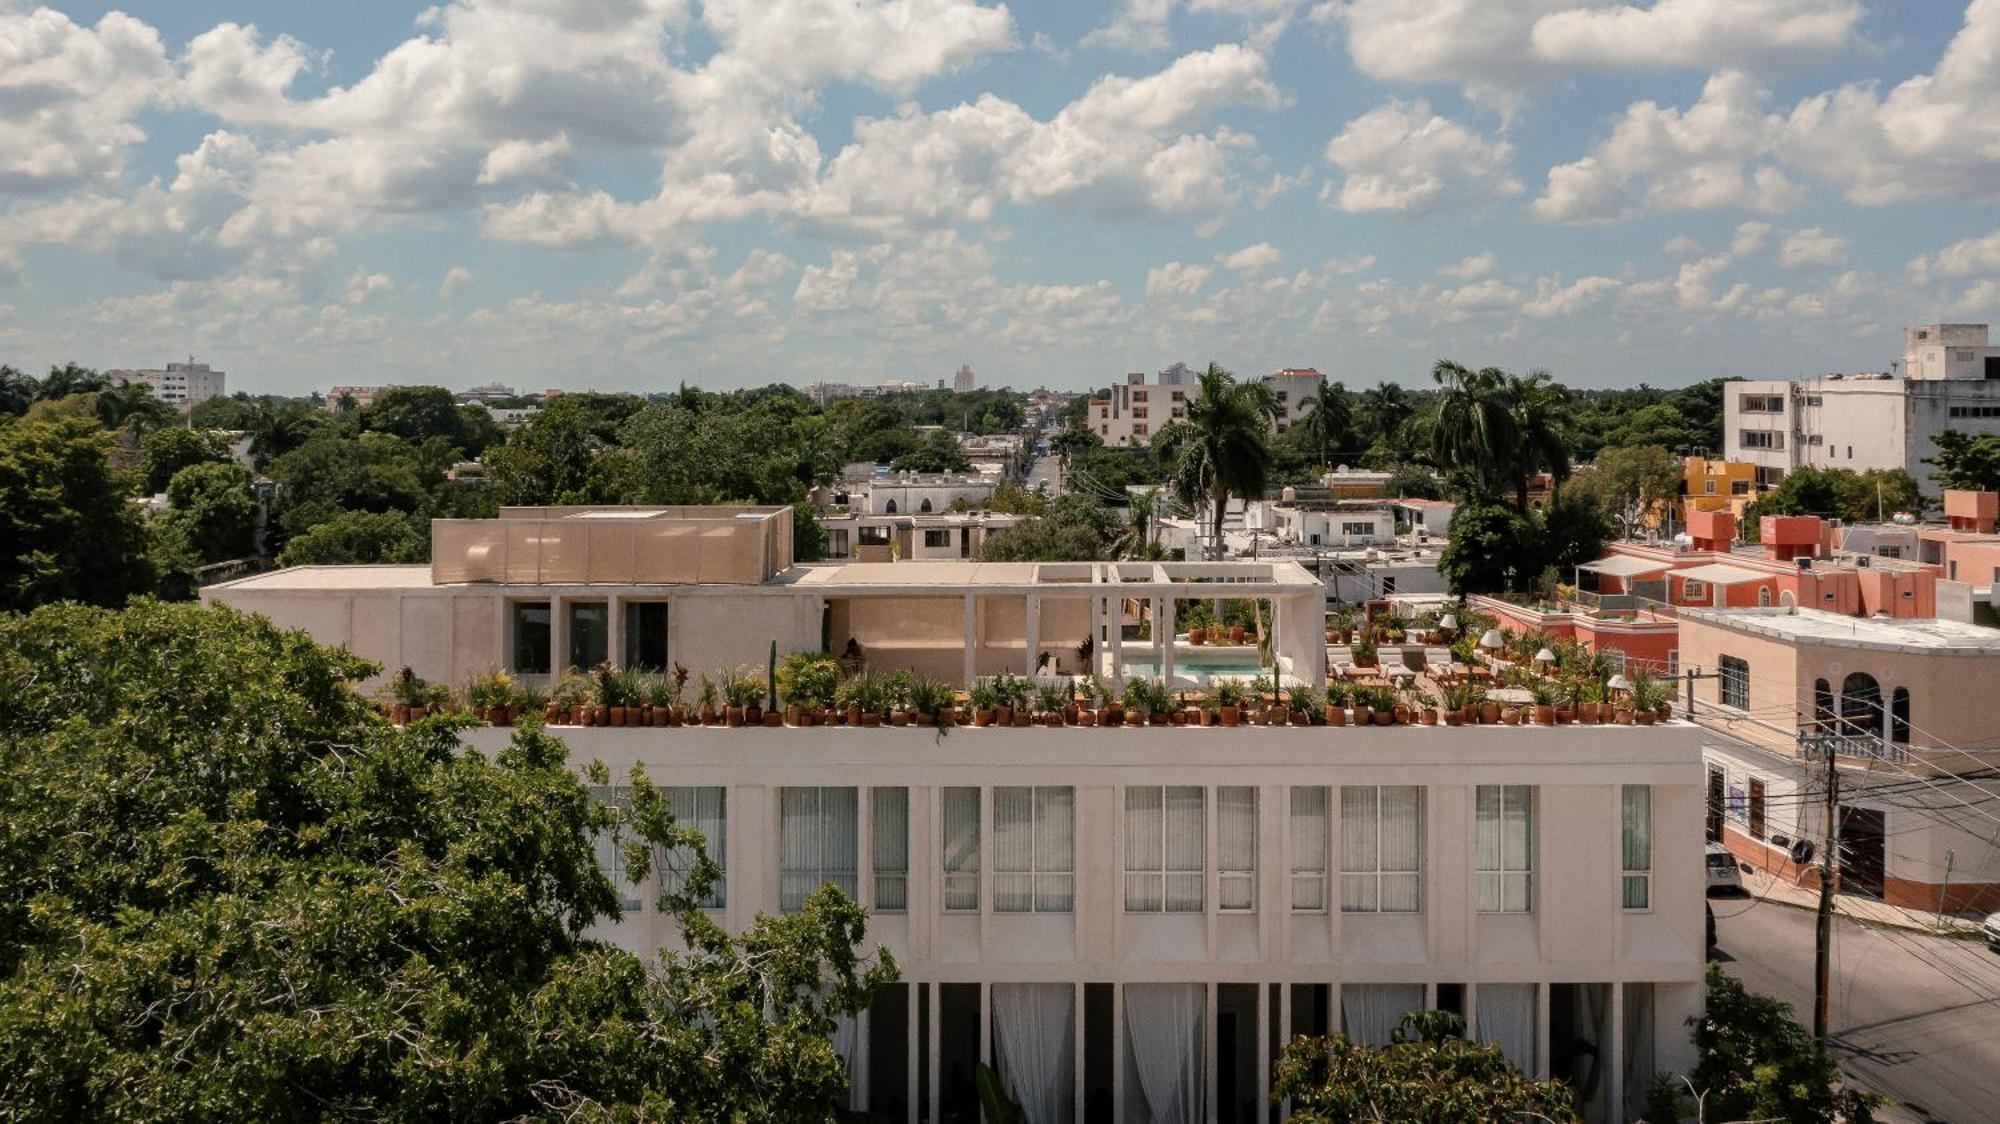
x: 1624, y: 566
x: 1715, y: 573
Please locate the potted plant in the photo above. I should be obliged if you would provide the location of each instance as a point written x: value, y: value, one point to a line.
x: 1229, y: 701
x: 492, y: 697
x: 565, y: 698
x: 1648, y: 696
x: 1050, y: 700
x: 985, y: 702
x: 1489, y: 710
x: 740, y: 692
x: 1307, y: 711
x: 1339, y: 692
x: 1424, y: 703
x: 1382, y: 705
x: 806, y: 683
x: 1457, y: 700
x: 1137, y: 701
x: 1364, y: 652
x: 897, y: 687
x: 1544, y: 694
x: 927, y: 700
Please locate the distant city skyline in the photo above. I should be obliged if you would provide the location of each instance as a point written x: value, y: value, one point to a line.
x: 632, y: 194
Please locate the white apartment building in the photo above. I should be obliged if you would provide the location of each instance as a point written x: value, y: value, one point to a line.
x: 180, y: 385
x: 1950, y: 380
x: 909, y: 493
x: 1136, y: 409
x: 952, y: 536
x: 1290, y: 387
x: 1127, y: 924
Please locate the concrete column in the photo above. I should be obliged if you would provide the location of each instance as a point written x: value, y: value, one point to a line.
x: 614, y: 629
x: 1163, y: 624
x: 971, y: 640
x: 910, y: 1071
x: 558, y: 636
x: 937, y: 1017
x: 1117, y: 1052
x: 1208, y: 1050
x: 1077, y: 1084
x: 1115, y: 608
x: 1034, y: 631
x: 1614, y: 1033
x: 985, y: 1020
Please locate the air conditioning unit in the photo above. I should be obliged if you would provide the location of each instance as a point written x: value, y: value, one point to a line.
x: 1805, y: 565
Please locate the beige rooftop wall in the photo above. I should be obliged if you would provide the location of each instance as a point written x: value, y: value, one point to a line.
x: 614, y: 546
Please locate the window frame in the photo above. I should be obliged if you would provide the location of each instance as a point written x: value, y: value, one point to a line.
x: 824, y: 872
x: 1242, y: 880
x: 1378, y: 876
x: 1306, y: 876
x: 1159, y: 876
x: 686, y: 802
x: 1733, y: 682
x: 958, y: 873
x: 1060, y: 882
x: 1507, y: 866
x: 1630, y: 876
x: 883, y: 870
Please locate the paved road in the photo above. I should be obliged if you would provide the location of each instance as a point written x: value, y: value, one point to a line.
x: 1916, y: 1017
x: 1047, y: 468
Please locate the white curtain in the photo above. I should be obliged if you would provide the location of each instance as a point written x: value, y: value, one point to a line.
x: 818, y: 842
x: 1359, y: 858
x: 1055, y: 849
x: 891, y: 843
x: 1638, y: 1047
x: 1144, y: 814
x: 1504, y: 843
x: 1163, y: 1035
x: 1186, y: 848
x: 1236, y: 847
x: 1309, y: 836
x: 1034, y: 1034
x: 1013, y: 850
x: 1507, y: 1017
x: 1368, y: 1012
x: 1635, y: 809
x: 961, y: 848
x: 845, y: 1039
x: 1402, y: 810
x: 704, y: 808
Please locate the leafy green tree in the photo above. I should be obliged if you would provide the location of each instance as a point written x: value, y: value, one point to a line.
x: 18, y: 391
x: 939, y: 452
x: 164, y: 452
x: 1221, y: 448
x: 1428, y: 1073
x: 1837, y: 493
x: 214, y: 510
x: 1491, y: 549
x: 1473, y: 436
x: 1969, y: 462
x: 1572, y: 528
x: 66, y: 530
x: 1413, y: 481
x: 1633, y: 480
x: 360, y: 537
x: 1323, y: 424
x: 1540, y: 409
x: 1757, y: 1063
x: 1073, y: 529
x: 414, y: 413
x: 548, y: 459
x: 228, y: 891
x: 333, y: 472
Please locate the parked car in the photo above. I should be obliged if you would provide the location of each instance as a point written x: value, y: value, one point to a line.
x: 1991, y: 927
x: 1722, y: 872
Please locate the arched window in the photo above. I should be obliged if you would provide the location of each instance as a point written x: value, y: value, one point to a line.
x: 891, y: 509
x: 1861, y: 704
x: 1763, y: 596
x: 924, y: 506
x: 1899, y: 716
x: 1822, y: 704
x: 1787, y: 600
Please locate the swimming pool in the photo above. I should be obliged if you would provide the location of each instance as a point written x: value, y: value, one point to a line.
x: 1199, y: 668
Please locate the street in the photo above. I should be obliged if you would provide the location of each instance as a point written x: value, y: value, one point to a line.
x: 1915, y: 1018
x: 1047, y: 469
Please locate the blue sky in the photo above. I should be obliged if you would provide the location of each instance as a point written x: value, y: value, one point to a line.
x: 628, y: 194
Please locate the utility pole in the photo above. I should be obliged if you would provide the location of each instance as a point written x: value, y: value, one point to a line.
x: 1829, y: 866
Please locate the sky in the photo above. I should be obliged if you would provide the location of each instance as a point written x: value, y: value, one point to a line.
x: 637, y: 194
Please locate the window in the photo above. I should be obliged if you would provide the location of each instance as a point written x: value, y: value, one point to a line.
x: 1735, y: 683
x: 1739, y: 487
x: 1694, y: 589
x: 890, y: 831
x: 1635, y: 833
x: 705, y: 809
x: 1505, y: 839
x: 1762, y: 439
x: 1309, y: 839
x: 1164, y: 849
x: 646, y: 635
x: 610, y: 847
x: 817, y: 842
x: 890, y: 508
x: 1363, y: 529
x: 589, y: 637
x: 1034, y: 850
x: 936, y: 539
x: 1236, y: 848
x: 1899, y: 716
x: 1756, y: 808
x: 531, y: 637
x: 1763, y: 404
x: 836, y: 544
x: 1381, y: 841
x: 961, y: 848
x: 1708, y: 487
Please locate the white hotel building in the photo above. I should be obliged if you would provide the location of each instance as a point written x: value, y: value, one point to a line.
x: 1128, y: 923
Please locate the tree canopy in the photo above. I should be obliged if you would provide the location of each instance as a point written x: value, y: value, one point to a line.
x: 1969, y: 462
x: 1837, y: 493
x: 1428, y: 1074
x: 232, y: 892
x: 68, y: 531
x: 1072, y: 528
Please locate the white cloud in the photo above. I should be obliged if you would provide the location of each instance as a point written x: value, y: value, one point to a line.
x: 1253, y: 259
x: 70, y: 94
x: 1339, y: 266
x: 1969, y: 257
x: 455, y: 279
x: 1465, y: 269
x: 889, y: 44
x: 363, y: 286
x: 1401, y: 157
x: 1711, y: 156
x: 1749, y: 238
x: 1176, y: 279
x: 1813, y: 246
x: 1681, y: 245
x: 1553, y: 298
x: 525, y: 161
x: 230, y: 72
x: 1703, y: 34
x: 1137, y: 25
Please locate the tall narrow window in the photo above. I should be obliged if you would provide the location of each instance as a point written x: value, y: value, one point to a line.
x: 890, y: 832
x: 1164, y: 849
x: 1635, y: 821
x: 817, y: 841
x: 1505, y: 841
x: 589, y: 634
x: 646, y: 635
x: 1381, y: 848
x: 1236, y: 847
x: 531, y: 637
x: 961, y: 848
x: 1899, y: 716
x: 1735, y: 683
x: 1034, y: 850
x: 610, y: 846
x: 1309, y: 841
x: 706, y: 809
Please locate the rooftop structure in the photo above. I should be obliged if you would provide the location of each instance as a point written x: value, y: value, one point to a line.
x: 180, y: 385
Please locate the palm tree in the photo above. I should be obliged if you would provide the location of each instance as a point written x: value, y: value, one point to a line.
x: 1474, y: 431
x: 1222, y: 446
x: 1324, y: 421
x: 1540, y: 409
x: 1136, y: 540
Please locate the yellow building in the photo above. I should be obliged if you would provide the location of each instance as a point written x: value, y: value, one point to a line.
x: 1708, y: 485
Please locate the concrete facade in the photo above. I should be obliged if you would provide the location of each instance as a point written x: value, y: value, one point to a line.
x: 180, y: 385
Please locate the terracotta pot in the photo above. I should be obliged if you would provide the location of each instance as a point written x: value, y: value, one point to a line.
x: 1236, y: 634
x: 1587, y: 713
x: 1336, y: 716
x: 1666, y: 711
x: 1021, y: 717
x: 870, y: 720
x: 1545, y: 715
x: 1489, y: 713
x: 1565, y: 716
x: 1003, y: 715
x: 1402, y: 715
x: 1645, y: 717
x: 1427, y: 716
x: 1135, y: 718
x: 947, y: 716
x: 551, y: 714
x: 1086, y: 717
x: 586, y: 716
x: 773, y: 718
x: 1385, y: 717
x: 1622, y: 716
x: 733, y: 716
x: 1511, y: 716
x: 1180, y: 718
x: 794, y: 715
x: 1301, y: 718
x: 982, y: 718
x: 1454, y: 717
x: 852, y: 715
x: 1111, y: 714
x: 1231, y: 715
x: 604, y: 716
x: 1197, y: 635
x: 1329, y: 636
x: 662, y: 716
x: 620, y: 714
x: 899, y: 718
x: 1363, y: 715
x: 753, y: 715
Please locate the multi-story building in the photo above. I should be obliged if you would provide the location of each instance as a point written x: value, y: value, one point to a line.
x: 1715, y: 485
x: 1137, y: 409
x: 964, y: 381
x: 951, y: 536
x: 1894, y: 702
x: 1289, y: 388
x: 354, y: 397
x: 1126, y: 924
x: 180, y: 385
x: 1950, y: 380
